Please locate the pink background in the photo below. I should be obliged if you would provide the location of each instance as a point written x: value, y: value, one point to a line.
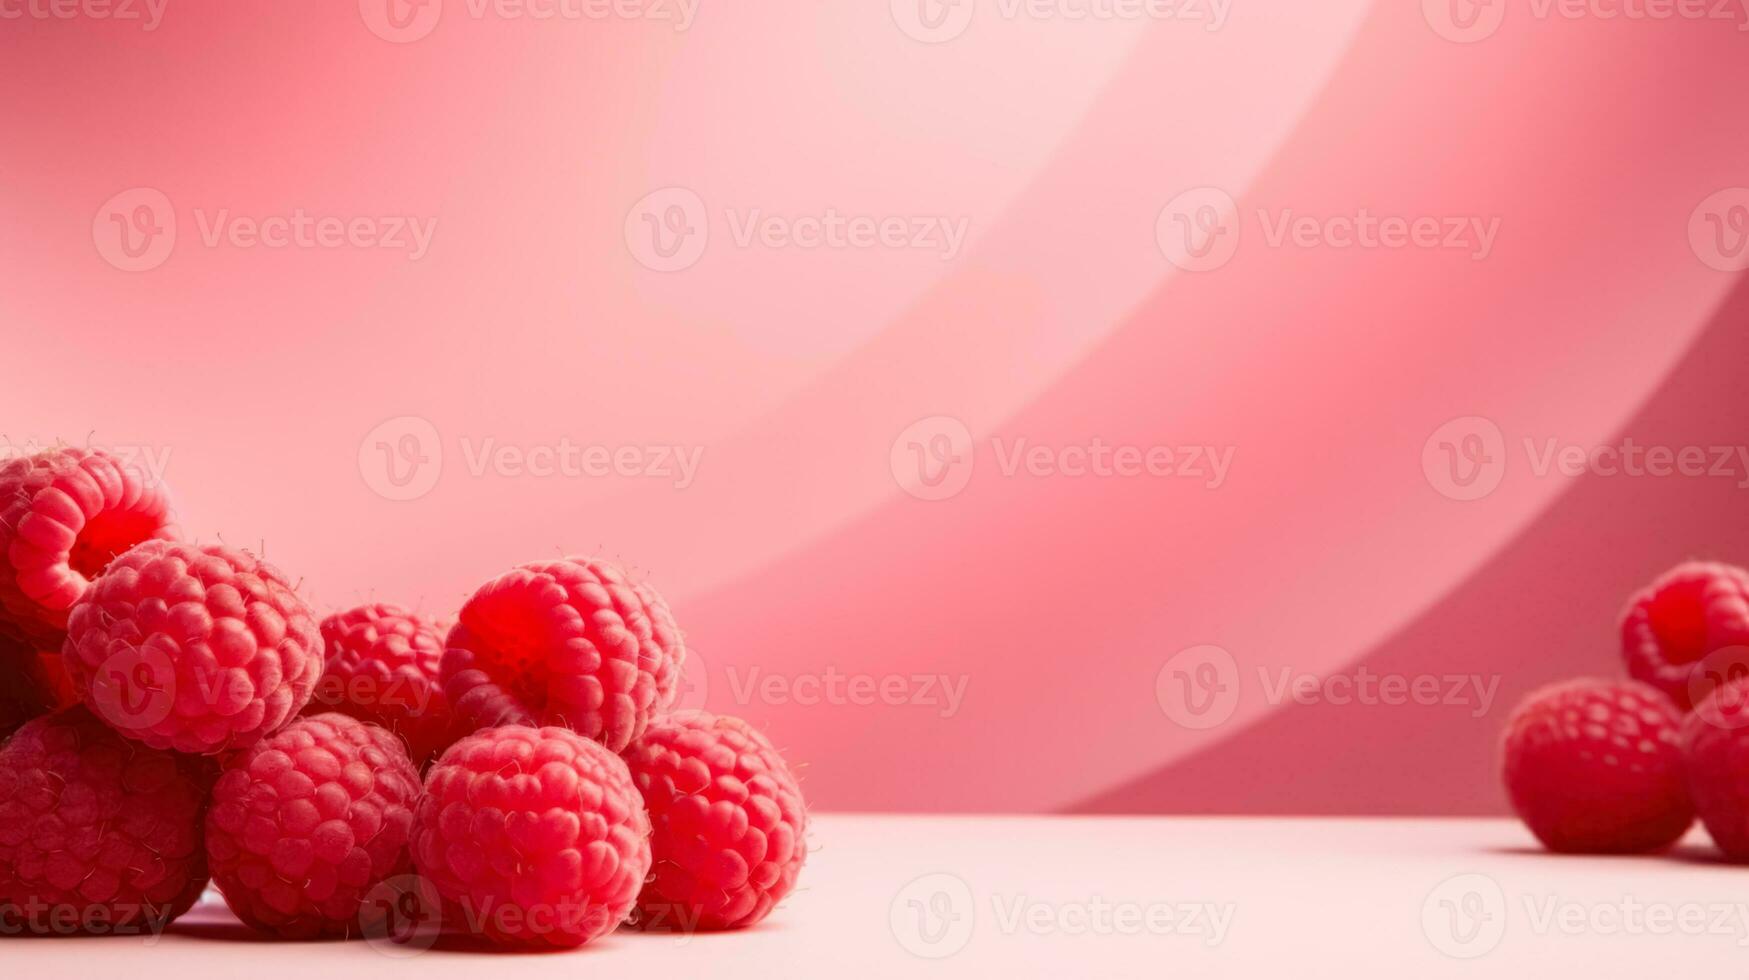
x: 265, y: 378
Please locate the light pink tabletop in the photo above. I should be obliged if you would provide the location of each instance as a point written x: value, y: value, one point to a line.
x: 890, y: 896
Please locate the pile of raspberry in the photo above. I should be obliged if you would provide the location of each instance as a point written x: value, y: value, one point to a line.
x: 1623, y: 765
x: 174, y: 714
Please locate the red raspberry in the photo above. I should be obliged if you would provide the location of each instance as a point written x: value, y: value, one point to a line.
x: 382, y: 668
x: 196, y: 648
x: 1596, y: 766
x: 569, y: 642
x: 305, y: 822
x: 1715, y: 750
x: 1673, y: 625
x: 728, y: 829
x: 64, y: 514
x: 533, y: 837
x: 97, y: 833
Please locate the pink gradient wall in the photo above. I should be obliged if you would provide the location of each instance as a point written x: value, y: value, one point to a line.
x: 971, y: 377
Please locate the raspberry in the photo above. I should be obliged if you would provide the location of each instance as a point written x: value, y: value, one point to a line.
x: 569, y: 642
x: 1596, y: 766
x: 196, y: 648
x: 305, y: 822
x: 382, y: 668
x: 1672, y: 626
x: 1715, y: 750
x: 533, y: 837
x: 97, y: 833
x: 64, y: 514
x: 728, y: 829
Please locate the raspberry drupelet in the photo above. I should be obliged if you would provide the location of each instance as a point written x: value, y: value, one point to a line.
x: 1671, y: 627
x: 382, y: 667
x: 64, y: 514
x: 98, y: 833
x: 1595, y: 766
x: 532, y: 837
x: 306, y: 822
x: 196, y: 648
x: 571, y: 642
x: 728, y: 827
x: 1715, y: 752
